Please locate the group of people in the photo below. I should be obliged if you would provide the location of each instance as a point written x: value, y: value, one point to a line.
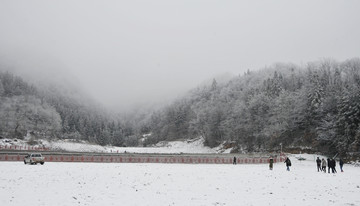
x: 321, y: 164
x: 331, y: 164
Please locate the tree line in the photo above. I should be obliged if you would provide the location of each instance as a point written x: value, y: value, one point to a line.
x: 314, y: 106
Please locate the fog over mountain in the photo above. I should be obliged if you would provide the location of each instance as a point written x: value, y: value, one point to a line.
x: 130, y: 53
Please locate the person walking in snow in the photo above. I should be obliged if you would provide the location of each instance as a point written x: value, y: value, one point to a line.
x: 234, y: 161
x: 323, y: 165
x: 341, y: 163
x: 333, y: 166
x: 288, y: 164
x: 271, y: 163
x: 328, y: 164
x: 318, y: 163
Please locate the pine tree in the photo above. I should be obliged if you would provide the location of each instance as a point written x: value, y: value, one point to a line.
x: 2, y: 90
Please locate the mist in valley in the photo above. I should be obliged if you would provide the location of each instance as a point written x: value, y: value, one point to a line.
x: 131, y: 54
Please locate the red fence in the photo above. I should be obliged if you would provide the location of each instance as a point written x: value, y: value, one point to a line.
x: 145, y: 159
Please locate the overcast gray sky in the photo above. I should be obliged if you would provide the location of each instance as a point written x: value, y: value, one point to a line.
x: 126, y: 52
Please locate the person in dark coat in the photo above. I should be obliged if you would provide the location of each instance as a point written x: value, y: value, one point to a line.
x: 333, y: 165
x: 234, y: 161
x: 271, y: 163
x: 328, y: 163
x: 341, y: 163
x: 318, y: 163
x: 288, y: 164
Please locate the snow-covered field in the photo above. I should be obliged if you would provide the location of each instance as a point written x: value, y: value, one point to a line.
x: 173, y: 147
x: 195, y: 146
x: 176, y: 184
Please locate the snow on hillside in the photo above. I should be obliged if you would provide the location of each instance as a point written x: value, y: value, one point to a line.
x: 174, y: 147
x: 176, y: 184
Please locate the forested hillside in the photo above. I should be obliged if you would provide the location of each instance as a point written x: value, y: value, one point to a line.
x: 51, y: 112
x: 316, y: 106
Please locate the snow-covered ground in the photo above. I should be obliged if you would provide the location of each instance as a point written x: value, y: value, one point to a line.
x: 196, y: 146
x: 174, y: 147
x: 176, y: 184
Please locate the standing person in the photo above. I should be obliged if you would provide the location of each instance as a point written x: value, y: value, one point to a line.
x: 328, y: 163
x: 271, y: 163
x: 334, y: 165
x: 318, y: 163
x: 288, y: 164
x: 323, y: 165
x: 234, y: 161
x: 341, y: 163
